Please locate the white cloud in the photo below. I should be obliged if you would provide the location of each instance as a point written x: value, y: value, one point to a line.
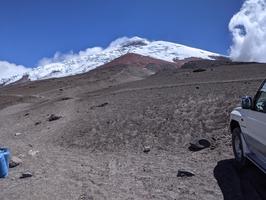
x: 8, y: 70
x: 59, y: 57
x: 248, y: 28
x: 125, y: 40
x: 118, y: 42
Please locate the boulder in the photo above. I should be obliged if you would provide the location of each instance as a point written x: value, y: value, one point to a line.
x: 53, y: 117
x: 26, y: 175
x: 199, y: 70
x: 33, y: 152
x: 183, y: 173
x: 14, y: 161
x: 18, y: 134
x: 199, y: 144
x: 146, y: 149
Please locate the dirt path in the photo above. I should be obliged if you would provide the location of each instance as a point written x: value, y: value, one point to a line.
x: 117, y: 91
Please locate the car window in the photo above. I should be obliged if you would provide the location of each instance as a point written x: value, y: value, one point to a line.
x: 260, y: 104
x: 263, y: 88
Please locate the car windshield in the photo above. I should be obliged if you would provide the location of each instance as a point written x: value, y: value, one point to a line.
x: 261, y: 101
x: 263, y: 89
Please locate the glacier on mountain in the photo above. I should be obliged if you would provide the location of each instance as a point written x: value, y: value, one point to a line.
x: 84, y: 61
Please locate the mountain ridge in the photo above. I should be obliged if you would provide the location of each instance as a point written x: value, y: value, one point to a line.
x: 92, y: 58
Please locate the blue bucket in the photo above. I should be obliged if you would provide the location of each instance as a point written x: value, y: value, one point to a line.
x: 4, y: 162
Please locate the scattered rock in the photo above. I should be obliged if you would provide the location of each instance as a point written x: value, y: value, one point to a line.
x: 198, y: 145
x: 26, y: 175
x: 33, y: 153
x: 21, y: 156
x: 14, y: 161
x: 85, y: 197
x: 53, y: 117
x: 37, y: 123
x: 102, y: 105
x: 93, y: 131
x: 18, y: 134
x: 213, y: 147
x: 146, y: 149
x: 199, y: 70
x: 147, y: 168
x: 65, y: 98
x: 183, y: 173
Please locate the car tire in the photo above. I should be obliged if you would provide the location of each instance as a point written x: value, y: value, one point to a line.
x: 238, y: 148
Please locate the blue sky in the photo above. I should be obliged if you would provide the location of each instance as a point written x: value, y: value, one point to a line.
x: 33, y: 29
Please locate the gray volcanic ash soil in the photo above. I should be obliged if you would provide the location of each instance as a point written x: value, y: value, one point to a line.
x: 92, y: 145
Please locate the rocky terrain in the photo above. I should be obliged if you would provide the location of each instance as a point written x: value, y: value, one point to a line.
x: 123, y: 131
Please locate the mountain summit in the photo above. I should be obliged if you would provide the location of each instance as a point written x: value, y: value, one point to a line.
x: 84, y: 61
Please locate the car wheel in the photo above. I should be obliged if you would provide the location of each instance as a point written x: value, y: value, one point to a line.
x: 238, y: 147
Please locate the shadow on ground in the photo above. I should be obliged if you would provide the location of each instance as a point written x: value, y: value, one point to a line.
x: 248, y: 183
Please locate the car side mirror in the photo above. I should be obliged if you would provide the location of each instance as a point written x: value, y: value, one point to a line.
x: 246, y: 102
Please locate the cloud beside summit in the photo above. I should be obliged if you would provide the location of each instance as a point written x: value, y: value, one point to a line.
x: 8, y: 70
x: 248, y: 28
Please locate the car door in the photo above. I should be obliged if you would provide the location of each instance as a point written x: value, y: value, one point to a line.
x: 256, y: 123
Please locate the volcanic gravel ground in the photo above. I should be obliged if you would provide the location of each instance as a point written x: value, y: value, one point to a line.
x: 93, y: 149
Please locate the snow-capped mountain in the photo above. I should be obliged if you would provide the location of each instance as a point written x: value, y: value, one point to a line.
x: 91, y: 58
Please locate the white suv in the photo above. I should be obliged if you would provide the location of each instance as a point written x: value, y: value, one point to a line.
x: 248, y: 127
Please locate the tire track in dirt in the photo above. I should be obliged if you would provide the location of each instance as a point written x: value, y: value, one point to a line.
x: 106, y: 93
